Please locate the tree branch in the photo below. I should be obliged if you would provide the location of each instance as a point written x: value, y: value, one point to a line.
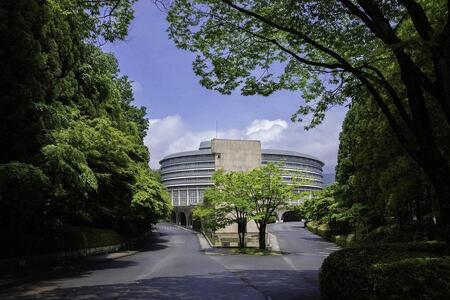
x: 354, y: 10
x: 393, y: 94
x: 410, y: 149
x: 348, y: 67
x: 419, y: 19
x: 281, y: 47
x: 294, y: 55
x: 373, y: 17
x: 445, y: 34
x: 290, y: 30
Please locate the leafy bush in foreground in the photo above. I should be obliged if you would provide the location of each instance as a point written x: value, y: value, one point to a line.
x: 408, y: 271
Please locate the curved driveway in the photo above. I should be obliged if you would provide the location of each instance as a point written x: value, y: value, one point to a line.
x: 174, y: 267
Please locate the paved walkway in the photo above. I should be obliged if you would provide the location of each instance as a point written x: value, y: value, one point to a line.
x: 175, y: 267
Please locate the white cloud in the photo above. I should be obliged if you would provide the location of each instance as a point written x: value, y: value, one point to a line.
x: 171, y: 134
x: 137, y: 88
x: 266, y: 130
x: 161, y: 134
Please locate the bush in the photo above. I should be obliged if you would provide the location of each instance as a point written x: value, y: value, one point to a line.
x: 324, y: 231
x: 272, y: 219
x: 23, y: 197
x: 87, y: 237
x: 66, y: 239
x: 406, y: 271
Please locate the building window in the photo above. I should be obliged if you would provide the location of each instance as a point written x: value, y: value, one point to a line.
x: 175, y: 198
x: 192, y: 196
x: 200, y: 196
x: 183, y: 197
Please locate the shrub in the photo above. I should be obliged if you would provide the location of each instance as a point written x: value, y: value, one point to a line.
x: 407, y: 271
x: 87, y: 237
x: 23, y: 197
x: 272, y: 219
x: 67, y: 238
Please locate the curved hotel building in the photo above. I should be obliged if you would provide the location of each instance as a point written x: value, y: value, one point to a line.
x: 187, y: 174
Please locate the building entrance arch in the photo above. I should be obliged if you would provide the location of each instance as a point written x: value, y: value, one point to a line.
x: 290, y: 216
x: 183, y: 220
x: 189, y: 220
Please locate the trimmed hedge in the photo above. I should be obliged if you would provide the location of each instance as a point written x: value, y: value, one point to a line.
x: 324, y: 231
x: 68, y: 238
x: 395, y: 271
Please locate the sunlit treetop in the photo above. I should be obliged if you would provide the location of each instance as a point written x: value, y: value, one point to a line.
x: 101, y: 20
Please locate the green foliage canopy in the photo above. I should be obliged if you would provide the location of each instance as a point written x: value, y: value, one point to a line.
x: 226, y: 203
x: 394, y: 52
x: 72, y: 151
x: 238, y: 197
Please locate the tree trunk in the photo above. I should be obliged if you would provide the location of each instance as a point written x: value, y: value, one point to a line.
x: 242, y: 229
x: 242, y: 240
x: 436, y: 168
x: 428, y: 154
x: 262, y: 236
x: 441, y: 184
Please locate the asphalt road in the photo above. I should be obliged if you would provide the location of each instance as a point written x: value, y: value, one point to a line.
x: 174, y: 267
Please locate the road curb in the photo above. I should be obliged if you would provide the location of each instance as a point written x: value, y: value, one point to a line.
x: 274, y: 245
x: 207, y: 240
x: 184, y: 228
x: 205, y: 243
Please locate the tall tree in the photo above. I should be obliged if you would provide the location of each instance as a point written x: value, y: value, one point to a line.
x: 268, y: 192
x: 239, y: 197
x: 42, y: 47
x: 72, y: 151
x: 373, y: 170
x: 226, y: 204
x: 396, y: 50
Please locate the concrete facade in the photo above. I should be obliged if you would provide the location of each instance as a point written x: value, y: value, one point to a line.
x: 236, y: 155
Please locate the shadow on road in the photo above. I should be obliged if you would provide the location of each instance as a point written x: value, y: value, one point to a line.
x: 61, y: 269
x: 154, y: 243
x: 278, y: 284
x: 313, y: 238
x: 283, y: 284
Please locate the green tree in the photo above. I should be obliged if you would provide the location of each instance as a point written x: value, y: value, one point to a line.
x: 72, y: 151
x: 226, y: 203
x: 317, y: 207
x: 374, y: 171
x: 267, y: 192
x: 238, y: 197
x: 395, y: 51
x: 381, y: 193
x: 328, y: 207
x: 42, y: 51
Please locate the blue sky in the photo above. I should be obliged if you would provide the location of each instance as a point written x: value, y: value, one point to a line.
x: 182, y: 112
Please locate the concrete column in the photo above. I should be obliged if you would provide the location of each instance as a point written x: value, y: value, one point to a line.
x: 280, y: 215
x: 177, y: 214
